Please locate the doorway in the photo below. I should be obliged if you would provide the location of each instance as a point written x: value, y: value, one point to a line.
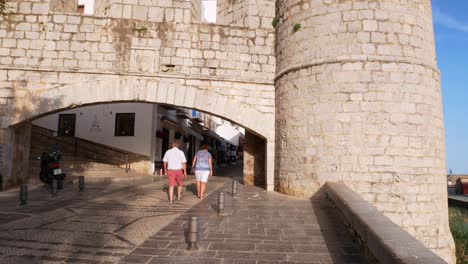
x: 67, y: 124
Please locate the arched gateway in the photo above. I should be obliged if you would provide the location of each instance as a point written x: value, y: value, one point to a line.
x: 348, y: 91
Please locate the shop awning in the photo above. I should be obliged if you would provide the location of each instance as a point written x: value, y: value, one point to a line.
x: 170, y: 121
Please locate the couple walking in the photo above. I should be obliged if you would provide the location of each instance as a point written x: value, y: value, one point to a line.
x: 175, y: 168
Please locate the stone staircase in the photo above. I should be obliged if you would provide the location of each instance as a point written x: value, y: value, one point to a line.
x: 97, y: 162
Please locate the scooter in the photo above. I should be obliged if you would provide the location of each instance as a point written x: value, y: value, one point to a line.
x: 50, y: 168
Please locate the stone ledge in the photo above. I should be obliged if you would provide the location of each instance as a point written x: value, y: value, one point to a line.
x: 384, y: 240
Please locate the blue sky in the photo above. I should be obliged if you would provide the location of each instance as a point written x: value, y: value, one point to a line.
x: 451, y: 34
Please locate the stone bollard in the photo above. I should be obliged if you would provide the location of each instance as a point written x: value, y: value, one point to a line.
x: 234, y: 188
x: 81, y: 183
x: 23, y: 194
x: 220, y: 203
x: 54, y: 187
x: 193, y: 233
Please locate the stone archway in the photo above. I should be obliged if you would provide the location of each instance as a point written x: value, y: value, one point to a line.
x: 34, y: 99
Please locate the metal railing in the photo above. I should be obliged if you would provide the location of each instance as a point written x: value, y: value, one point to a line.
x: 79, y: 144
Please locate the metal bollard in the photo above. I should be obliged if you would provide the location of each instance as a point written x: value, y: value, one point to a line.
x: 220, y: 203
x: 54, y: 187
x: 193, y: 233
x: 24, y: 194
x: 81, y: 183
x: 234, y: 188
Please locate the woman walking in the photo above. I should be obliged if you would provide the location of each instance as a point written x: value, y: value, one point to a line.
x: 203, y: 164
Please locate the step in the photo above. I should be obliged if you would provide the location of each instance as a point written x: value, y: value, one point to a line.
x: 131, y: 178
x: 82, y: 165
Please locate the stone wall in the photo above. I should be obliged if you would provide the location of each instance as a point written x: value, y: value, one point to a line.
x: 76, y: 42
x: 195, y: 10
x: 179, y: 11
x: 249, y: 13
x: 254, y: 160
x: 54, y: 61
x: 21, y: 138
x: 232, y: 12
x: 63, y: 6
x: 358, y: 101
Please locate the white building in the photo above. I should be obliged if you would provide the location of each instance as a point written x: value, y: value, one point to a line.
x: 144, y: 129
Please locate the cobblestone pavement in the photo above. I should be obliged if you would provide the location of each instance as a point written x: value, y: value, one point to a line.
x: 260, y: 228
x: 101, y: 225
x: 133, y: 223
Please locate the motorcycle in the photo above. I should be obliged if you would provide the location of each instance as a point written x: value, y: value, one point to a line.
x: 50, y: 168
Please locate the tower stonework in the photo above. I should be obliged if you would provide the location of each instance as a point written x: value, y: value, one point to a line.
x: 358, y: 101
x: 341, y: 91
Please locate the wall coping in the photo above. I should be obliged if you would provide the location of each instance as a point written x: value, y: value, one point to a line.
x: 383, y: 239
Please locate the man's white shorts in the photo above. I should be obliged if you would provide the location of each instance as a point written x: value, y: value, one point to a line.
x: 202, y: 175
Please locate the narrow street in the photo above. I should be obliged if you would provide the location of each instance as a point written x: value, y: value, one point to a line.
x: 100, y: 225
x: 135, y: 224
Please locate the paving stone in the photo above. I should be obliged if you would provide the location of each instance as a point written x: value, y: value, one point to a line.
x: 184, y: 260
x: 232, y: 246
x: 155, y: 244
x: 151, y: 252
x: 270, y: 229
x: 274, y: 248
x: 269, y: 256
x: 135, y: 259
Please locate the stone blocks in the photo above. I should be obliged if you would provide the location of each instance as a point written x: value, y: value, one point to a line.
x: 383, y: 239
x: 352, y: 89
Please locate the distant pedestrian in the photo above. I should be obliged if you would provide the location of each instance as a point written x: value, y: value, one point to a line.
x: 203, y: 164
x: 175, y: 167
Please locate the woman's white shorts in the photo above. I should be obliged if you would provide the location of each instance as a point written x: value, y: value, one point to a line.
x: 202, y: 175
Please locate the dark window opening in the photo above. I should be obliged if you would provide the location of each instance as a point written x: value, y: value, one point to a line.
x: 125, y: 124
x: 80, y: 9
x: 67, y: 125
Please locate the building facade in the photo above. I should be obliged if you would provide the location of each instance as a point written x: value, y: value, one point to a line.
x: 328, y: 90
x: 140, y: 128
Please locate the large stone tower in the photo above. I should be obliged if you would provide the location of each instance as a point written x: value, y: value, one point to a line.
x: 358, y: 101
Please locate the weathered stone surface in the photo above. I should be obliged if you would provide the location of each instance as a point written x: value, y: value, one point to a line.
x: 51, y: 61
x: 386, y: 241
x: 261, y: 227
x: 357, y: 95
x: 83, y: 226
x: 358, y: 101
x: 254, y: 160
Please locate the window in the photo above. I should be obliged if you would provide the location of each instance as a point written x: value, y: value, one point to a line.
x: 67, y: 125
x: 125, y: 124
x: 80, y: 9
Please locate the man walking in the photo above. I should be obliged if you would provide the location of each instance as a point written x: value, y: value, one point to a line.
x: 175, y: 167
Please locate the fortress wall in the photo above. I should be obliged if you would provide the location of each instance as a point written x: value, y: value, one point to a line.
x: 43, y: 48
x: 51, y: 61
x: 250, y: 13
x: 195, y: 10
x: 77, y: 42
x: 358, y: 101
x: 63, y: 5
x: 355, y: 30
x: 179, y: 11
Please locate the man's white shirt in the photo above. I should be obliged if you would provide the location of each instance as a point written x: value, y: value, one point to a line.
x: 174, y: 158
